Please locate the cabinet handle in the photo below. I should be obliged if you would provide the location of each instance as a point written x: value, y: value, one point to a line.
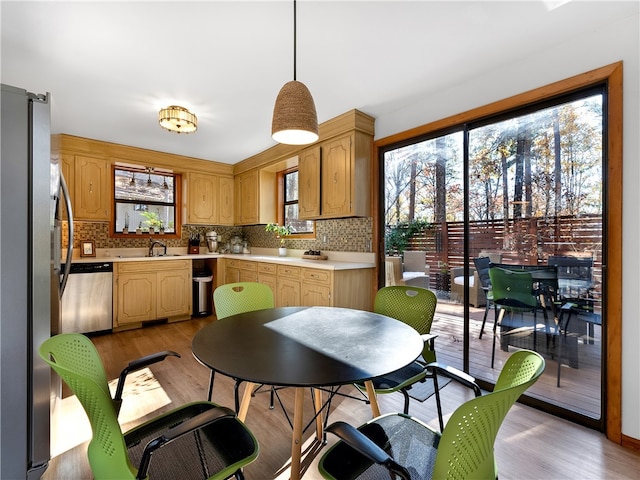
x: 90, y: 187
x: 335, y: 177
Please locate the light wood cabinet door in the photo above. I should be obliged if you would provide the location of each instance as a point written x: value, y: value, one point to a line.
x: 288, y: 292
x: 174, y: 293
x: 225, y: 209
x: 136, y: 298
x: 231, y: 270
x: 336, y: 177
x: 316, y: 287
x: 202, y: 203
x: 247, y: 196
x: 92, y: 189
x: 309, y: 183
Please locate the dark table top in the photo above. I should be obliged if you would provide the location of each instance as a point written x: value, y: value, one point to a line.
x: 306, y: 346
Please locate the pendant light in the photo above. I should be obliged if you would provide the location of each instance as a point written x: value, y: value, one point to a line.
x: 295, y: 121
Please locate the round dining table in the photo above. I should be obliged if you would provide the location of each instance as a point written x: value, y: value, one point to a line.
x: 305, y: 347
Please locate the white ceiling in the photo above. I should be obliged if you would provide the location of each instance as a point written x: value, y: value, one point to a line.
x: 110, y: 66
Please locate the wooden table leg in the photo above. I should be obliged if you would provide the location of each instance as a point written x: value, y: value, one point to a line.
x: 246, y: 399
x: 317, y: 393
x: 296, y: 441
x: 373, y: 400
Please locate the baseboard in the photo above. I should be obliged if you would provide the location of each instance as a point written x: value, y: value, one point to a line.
x: 630, y: 442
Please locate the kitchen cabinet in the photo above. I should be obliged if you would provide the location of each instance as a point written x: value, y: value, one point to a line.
x: 237, y: 270
x: 295, y: 285
x: 288, y: 286
x: 226, y: 199
x: 202, y: 205
x: 309, y: 183
x: 255, y: 197
x: 91, y: 189
x: 209, y: 199
x: 345, y: 184
x: 340, y: 186
x: 151, y: 290
x: 267, y: 274
x: 316, y: 287
x: 247, y: 194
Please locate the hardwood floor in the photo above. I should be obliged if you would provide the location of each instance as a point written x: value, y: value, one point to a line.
x: 530, y: 445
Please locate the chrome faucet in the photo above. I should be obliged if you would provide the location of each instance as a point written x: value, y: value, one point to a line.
x: 153, y: 243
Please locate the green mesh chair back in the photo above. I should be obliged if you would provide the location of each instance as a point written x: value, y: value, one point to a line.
x: 213, y: 451
x: 512, y: 289
x: 411, y: 305
x: 233, y: 298
x: 465, y: 450
x: 466, y: 445
x: 76, y: 360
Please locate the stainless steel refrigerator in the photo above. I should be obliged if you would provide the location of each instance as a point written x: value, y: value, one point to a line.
x: 30, y: 285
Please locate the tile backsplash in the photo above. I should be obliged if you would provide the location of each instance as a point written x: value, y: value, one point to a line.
x: 344, y: 235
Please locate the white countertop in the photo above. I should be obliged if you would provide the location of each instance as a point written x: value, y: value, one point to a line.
x: 336, y: 261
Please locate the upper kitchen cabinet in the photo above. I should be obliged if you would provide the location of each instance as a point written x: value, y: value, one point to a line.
x: 209, y: 199
x: 255, y: 193
x: 338, y: 185
x: 334, y: 174
x: 91, y: 189
x: 309, y: 183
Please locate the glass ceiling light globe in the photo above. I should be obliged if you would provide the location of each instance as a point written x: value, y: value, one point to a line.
x: 177, y: 119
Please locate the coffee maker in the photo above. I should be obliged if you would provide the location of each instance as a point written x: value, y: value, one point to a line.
x: 212, y: 241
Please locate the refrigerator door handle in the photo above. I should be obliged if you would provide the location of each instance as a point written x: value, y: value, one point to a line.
x: 67, y: 264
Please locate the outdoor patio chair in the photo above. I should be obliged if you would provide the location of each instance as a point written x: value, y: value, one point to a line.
x: 403, y: 446
x: 482, y: 265
x: 512, y: 292
x: 197, y: 440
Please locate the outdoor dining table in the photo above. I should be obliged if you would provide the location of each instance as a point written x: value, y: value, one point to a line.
x: 304, y: 347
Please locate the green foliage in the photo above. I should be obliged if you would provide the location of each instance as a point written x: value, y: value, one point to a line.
x: 397, y: 236
x: 152, y: 219
x: 281, y: 231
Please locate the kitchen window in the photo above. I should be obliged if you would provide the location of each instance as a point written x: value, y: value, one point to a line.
x: 145, y: 201
x: 288, y: 203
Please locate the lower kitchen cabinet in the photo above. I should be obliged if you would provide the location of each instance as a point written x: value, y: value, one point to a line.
x: 288, y: 286
x: 293, y: 285
x: 151, y: 290
x: 267, y: 275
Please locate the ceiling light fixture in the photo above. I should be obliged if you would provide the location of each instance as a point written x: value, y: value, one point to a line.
x: 149, y: 182
x: 132, y: 182
x: 295, y: 121
x: 177, y: 119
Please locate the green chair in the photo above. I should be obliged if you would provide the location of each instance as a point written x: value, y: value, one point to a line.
x: 513, y: 292
x: 482, y: 265
x: 233, y: 298
x: 402, y: 445
x: 240, y: 297
x: 416, y: 307
x: 198, y: 440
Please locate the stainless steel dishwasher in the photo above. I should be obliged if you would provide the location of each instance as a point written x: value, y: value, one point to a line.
x: 87, y: 300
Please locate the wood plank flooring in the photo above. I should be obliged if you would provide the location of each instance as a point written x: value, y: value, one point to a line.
x: 530, y: 445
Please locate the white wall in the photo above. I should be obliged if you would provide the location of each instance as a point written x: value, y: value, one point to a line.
x: 610, y: 43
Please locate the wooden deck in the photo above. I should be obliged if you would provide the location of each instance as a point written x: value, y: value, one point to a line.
x: 580, y: 388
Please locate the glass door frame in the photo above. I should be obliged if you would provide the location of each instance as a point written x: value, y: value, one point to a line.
x: 611, y: 77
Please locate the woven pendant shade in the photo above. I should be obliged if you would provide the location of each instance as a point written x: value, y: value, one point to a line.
x: 177, y: 119
x: 295, y: 121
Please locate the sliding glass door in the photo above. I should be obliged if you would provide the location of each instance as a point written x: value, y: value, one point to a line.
x: 523, y: 190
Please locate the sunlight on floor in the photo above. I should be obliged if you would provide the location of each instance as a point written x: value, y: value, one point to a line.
x: 70, y: 426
